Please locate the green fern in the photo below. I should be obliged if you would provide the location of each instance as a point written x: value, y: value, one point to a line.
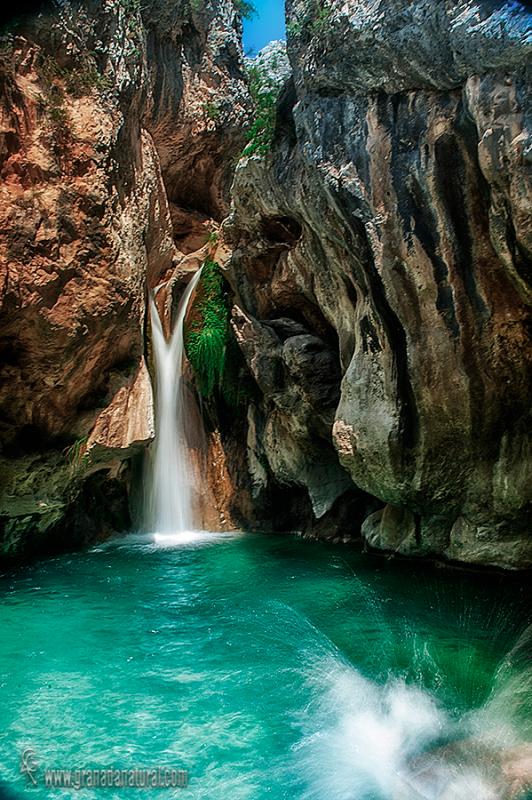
x: 210, y: 344
x: 207, y: 334
x: 76, y: 454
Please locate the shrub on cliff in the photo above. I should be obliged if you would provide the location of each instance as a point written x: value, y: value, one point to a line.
x: 206, y: 335
x: 267, y: 74
x: 246, y: 9
x: 313, y: 21
x: 260, y: 135
x: 210, y: 344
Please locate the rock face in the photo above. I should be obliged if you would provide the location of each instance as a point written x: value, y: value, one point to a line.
x: 379, y: 251
x: 99, y: 103
x: 272, y: 62
x: 382, y: 273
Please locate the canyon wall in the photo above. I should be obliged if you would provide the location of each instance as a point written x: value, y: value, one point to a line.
x: 382, y: 276
x: 378, y: 248
x: 119, y: 126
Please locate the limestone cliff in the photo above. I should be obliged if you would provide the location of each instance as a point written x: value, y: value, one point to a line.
x: 382, y: 275
x: 118, y: 128
x: 378, y: 246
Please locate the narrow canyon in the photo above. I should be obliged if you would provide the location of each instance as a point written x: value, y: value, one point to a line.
x: 362, y: 200
x: 265, y: 400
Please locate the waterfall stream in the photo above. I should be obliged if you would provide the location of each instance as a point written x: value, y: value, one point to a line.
x: 170, y: 484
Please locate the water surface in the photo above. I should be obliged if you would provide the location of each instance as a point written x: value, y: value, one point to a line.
x: 268, y: 667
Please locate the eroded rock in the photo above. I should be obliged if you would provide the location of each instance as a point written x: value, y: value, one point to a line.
x: 98, y: 108
x: 400, y: 157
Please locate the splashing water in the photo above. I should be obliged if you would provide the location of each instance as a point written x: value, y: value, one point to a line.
x: 391, y: 737
x: 269, y: 668
x: 170, y: 484
x: 396, y: 742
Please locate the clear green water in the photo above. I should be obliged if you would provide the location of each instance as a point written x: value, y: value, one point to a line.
x: 268, y: 667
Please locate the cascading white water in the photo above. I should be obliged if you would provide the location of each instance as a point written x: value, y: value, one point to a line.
x: 170, y: 495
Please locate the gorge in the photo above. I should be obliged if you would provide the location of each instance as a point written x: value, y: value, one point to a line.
x: 265, y: 452
x: 377, y: 250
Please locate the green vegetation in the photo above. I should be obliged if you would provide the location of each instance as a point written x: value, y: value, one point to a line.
x: 206, y: 338
x: 212, y: 238
x: 78, y: 81
x: 76, y: 454
x: 130, y: 6
x: 82, y: 81
x: 264, y: 94
x: 134, y: 29
x: 212, y: 111
x: 57, y: 114
x: 236, y: 383
x: 57, y: 81
x: 53, y: 101
x: 314, y: 21
x: 245, y: 8
x: 320, y: 19
x: 210, y: 343
x: 294, y: 28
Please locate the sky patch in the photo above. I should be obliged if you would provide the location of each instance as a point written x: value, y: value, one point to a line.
x: 267, y: 25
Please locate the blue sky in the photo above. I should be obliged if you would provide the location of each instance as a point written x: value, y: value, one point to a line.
x: 266, y: 26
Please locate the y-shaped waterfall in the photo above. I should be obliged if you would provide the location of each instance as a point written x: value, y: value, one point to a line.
x: 170, y: 497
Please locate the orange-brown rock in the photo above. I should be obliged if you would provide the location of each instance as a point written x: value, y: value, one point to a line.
x: 127, y: 424
x: 86, y: 230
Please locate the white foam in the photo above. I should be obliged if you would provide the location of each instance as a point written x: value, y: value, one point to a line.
x: 364, y: 740
x: 185, y: 538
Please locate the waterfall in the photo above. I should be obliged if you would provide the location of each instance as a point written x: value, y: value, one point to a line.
x: 170, y: 493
